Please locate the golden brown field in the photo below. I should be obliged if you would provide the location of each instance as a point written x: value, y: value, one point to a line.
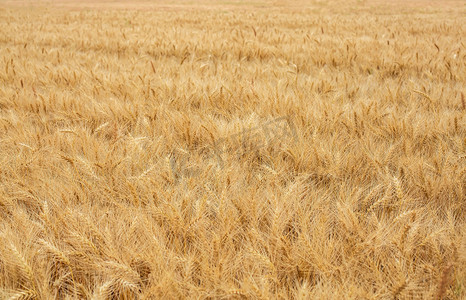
x: 228, y: 150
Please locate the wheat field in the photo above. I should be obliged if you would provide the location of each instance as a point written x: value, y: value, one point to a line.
x: 232, y: 149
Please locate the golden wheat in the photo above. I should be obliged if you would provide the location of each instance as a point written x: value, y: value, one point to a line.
x: 230, y: 150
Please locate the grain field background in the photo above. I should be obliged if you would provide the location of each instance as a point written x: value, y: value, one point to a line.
x: 232, y: 149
